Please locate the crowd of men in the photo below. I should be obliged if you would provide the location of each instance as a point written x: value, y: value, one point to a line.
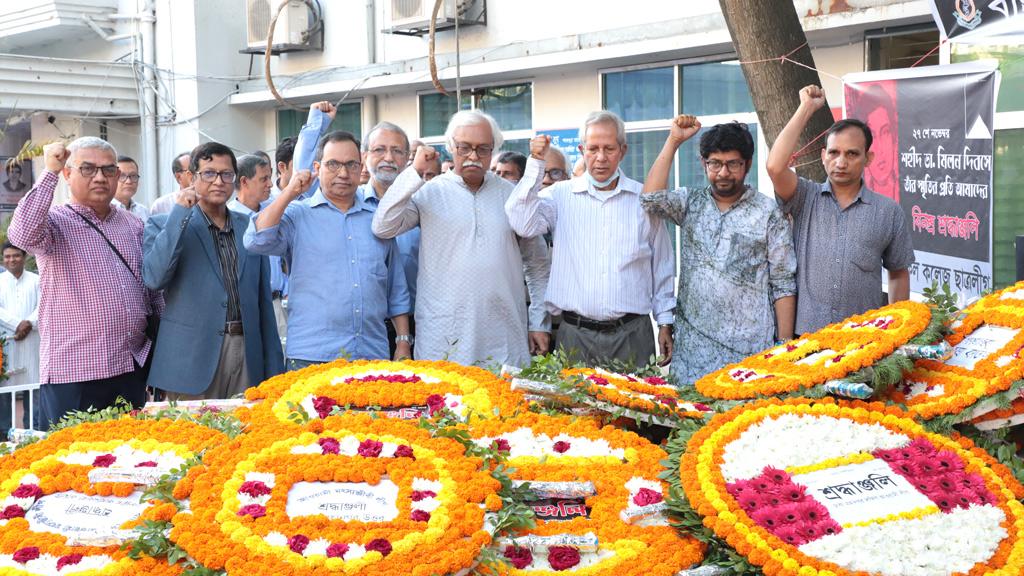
x: 380, y: 252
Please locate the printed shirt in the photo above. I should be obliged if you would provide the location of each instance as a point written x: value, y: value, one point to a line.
x: 841, y: 252
x: 92, y: 309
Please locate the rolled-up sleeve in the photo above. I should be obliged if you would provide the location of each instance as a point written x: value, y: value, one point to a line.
x: 273, y: 240
x: 781, y: 257
x: 529, y: 212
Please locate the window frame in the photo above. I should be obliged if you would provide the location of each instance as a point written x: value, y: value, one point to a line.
x: 473, y: 105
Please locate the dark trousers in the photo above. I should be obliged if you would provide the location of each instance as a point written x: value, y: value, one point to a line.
x: 631, y: 343
x: 392, y: 333
x: 59, y: 399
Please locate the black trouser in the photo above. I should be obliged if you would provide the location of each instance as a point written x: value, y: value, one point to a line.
x: 59, y: 399
x: 392, y: 333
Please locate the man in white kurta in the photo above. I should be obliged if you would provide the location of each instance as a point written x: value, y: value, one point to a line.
x: 470, y: 304
x: 19, y: 313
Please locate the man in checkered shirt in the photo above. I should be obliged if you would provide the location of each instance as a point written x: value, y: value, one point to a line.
x: 92, y: 308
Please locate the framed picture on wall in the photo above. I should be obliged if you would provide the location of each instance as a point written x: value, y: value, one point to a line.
x: 15, y: 181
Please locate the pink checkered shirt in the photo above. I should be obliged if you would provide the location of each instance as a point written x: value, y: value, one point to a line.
x: 92, y: 310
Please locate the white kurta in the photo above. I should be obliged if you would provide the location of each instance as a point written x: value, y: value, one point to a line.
x: 19, y: 300
x: 470, y: 303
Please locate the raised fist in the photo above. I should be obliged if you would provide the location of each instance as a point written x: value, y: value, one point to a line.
x: 426, y: 157
x: 187, y: 197
x: 539, y: 145
x: 812, y: 95
x: 683, y: 128
x: 56, y: 156
x: 299, y: 184
x: 326, y: 107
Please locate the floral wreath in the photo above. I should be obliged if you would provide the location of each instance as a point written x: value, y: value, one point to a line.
x: 781, y: 482
x: 647, y: 394
x: 935, y: 388
x: 623, y: 469
x: 62, y: 464
x: 404, y: 390
x: 1012, y: 415
x: 242, y: 519
x: 833, y: 352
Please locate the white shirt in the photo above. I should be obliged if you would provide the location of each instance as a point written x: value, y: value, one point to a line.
x: 137, y: 209
x: 470, y: 301
x: 610, y: 257
x: 164, y: 204
x: 19, y: 300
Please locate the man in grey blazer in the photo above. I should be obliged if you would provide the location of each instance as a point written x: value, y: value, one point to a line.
x: 218, y: 335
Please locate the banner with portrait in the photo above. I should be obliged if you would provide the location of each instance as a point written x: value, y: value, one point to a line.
x: 999, y: 21
x: 15, y: 182
x: 932, y: 154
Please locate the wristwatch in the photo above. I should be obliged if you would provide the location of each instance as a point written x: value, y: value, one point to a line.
x: 405, y: 338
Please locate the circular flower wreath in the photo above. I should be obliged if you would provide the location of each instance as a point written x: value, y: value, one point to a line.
x: 649, y: 394
x: 240, y: 519
x: 405, y: 390
x: 830, y: 488
x: 935, y: 388
x: 61, y: 463
x: 835, y: 351
x: 623, y: 468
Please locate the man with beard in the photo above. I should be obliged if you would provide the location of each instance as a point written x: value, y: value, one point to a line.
x: 737, y: 280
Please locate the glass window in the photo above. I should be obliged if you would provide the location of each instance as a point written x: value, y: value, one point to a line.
x: 521, y: 145
x: 643, y: 149
x: 640, y: 94
x: 714, y: 88
x: 1007, y: 204
x: 903, y: 50
x: 511, y: 106
x: 349, y: 117
x: 691, y: 170
x: 1011, y: 65
x: 436, y: 110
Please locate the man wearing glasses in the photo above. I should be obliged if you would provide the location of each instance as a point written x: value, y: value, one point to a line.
x: 470, y: 306
x: 344, y: 281
x: 93, y: 304
x: 127, y: 187
x: 737, y: 278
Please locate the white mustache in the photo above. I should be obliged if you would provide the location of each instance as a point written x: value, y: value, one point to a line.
x: 471, y: 164
x: 386, y: 164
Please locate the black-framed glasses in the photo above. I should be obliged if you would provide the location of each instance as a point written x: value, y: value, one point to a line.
x: 394, y: 150
x: 463, y: 149
x: 351, y: 166
x: 210, y: 176
x: 555, y: 173
x: 734, y: 166
x: 89, y: 170
x: 133, y: 178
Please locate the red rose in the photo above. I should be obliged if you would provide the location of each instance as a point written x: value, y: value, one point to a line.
x: 23, y: 555
x: 12, y: 511
x: 563, y: 557
x: 254, y: 488
x: 370, y: 448
x: 69, y: 560
x: 254, y: 510
x: 655, y: 381
x: 501, y: 445
x: 329, y: 445
x: 646, y: 497
x: 702, y: 407
x: 104, y: 461
x: 404, y: 451
x: 667, y: 400
x: 380, y: 545
x: 298, y: 543
x: 435, y: 402
x: 561, y: 447
x: 418, y: 495
x: 420, y: 516
x: 323, y: 405
x: 146, y: 464
x: 337, y: 550
x: 519, y: 556
x: 27, y: 491
x: 598, y: 380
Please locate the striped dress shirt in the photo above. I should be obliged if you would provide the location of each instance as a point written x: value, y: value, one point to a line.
x: 610, y: 257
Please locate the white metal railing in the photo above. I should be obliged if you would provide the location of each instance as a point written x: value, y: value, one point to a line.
x: 32, y: 390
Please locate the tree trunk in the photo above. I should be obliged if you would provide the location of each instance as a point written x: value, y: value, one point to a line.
x: 769, y: 30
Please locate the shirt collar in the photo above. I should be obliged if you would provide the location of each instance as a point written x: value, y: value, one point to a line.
x: 237, y: 206
x: 864, y: 194
x: 318, y: 199
x: 581, y: 184
x: 227, y: 220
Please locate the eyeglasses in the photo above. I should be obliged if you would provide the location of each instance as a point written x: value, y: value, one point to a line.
x: 133, y: 178
x: 211, y: 176
x: 383, y: 150
x: 351, y: 166
x: 555, y: 173
x: 734, y: 166
x: 89, y: 170
x: 463, y: 149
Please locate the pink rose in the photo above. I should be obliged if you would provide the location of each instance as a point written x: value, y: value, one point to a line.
x: 667, y: 400
x: 23, y: 555
x: 563, y: 557
x: 69, y: 560
x: 419, y: 516
x: 519, y: 556
x: 656, y: 381
x: 561, y: 447
x: 418, y: 495
x: 323, y: 405
x: 702, y: 407
x: 146, y: 464
x: 598, y: 380
x: 501, y: 445
x: 337, y: 550
x: 104, y: 460
x: 27, y: 491
x: 329, y: 445
x: 435, y: 402
x: 646, y: 497
x: 12, y: 511
x: 254, y: 510
x: 404, y: 451
x: 254, y: 488
x: 370, y: 448
x: 298, y: 543
x: 379, y: 545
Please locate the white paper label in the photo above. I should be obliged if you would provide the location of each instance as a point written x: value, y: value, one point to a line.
x: 862, y: 492
x: 980, y: 344
x: 141, y: 476
x: 344, y: 500
x: 75, y: 515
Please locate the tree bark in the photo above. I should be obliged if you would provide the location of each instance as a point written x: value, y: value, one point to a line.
x: 769, y: 29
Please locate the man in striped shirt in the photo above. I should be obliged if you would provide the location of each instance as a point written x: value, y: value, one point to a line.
x: 93, y: 304
x: 612, y: 264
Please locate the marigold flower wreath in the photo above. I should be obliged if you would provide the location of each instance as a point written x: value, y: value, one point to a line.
x: 962, y: 384
x: 246, y: 501
x: 406, y: 390
x: 832, y: 488
x: 1002, y: 417
x: 36, y: 538
x: 833, y: 352
x: 648, y: 394
x: 623, y: 469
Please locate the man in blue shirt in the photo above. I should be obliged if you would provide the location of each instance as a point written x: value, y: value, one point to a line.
x: 343, y: 280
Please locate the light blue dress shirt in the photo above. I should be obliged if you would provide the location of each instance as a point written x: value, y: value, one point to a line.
x: 343, y: 282
x: 316, y: 125
x: 278, y: 279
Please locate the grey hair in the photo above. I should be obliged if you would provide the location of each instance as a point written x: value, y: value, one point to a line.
x: 90, y: 143
x: 603, y: 117
x: 247, y: 166
x: 471, y: 118
x: 386, y: 126
x: 565, y: 159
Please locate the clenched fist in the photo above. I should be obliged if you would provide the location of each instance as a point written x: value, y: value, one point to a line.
x: 187, y: 197
x: 683, y: 128
x: 426, y: 157
x: 812, y: 96
x: 299, y: 184
x: 539, y: 145
x: 56, y: 156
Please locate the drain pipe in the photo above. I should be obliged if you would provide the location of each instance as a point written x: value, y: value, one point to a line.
x: 150, y: 167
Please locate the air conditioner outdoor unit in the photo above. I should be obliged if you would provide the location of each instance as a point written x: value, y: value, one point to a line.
x: 409, y: 16
x: 294, y: 30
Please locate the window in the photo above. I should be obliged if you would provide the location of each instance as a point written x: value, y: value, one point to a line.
x: 903, y: 48
x: 714, y: 88
x: 1011, y: 65
x: 511, y: 106
x: 349, y: 117
x: 640, y: 94
x: 435, y: 110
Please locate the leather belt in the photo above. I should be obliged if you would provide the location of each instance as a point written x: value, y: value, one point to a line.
x: 233, y: 328
x: 275, y: 295
x: 597, y: 325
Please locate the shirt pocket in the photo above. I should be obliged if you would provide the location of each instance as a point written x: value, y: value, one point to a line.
x: 747, y: 258
x: 867, y: 259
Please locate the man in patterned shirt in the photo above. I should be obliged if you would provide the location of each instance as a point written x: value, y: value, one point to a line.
x: 737, y: 279
x: 93, y: 304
